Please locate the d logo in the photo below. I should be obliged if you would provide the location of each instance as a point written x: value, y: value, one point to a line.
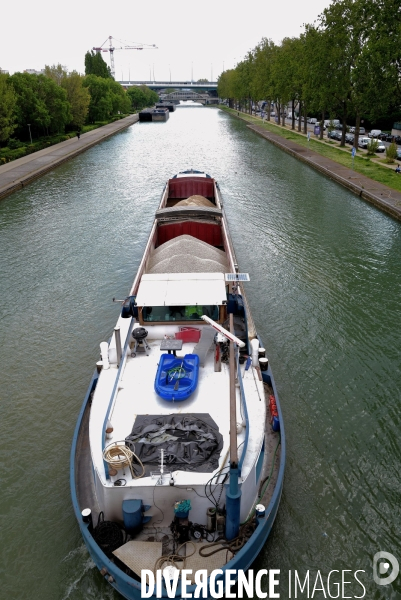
x: 381, y: 568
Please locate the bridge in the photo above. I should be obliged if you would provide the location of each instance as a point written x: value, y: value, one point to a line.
x: 188, y: 95
x: 208, y: 86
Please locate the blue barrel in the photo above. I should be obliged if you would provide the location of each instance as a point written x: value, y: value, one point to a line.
x: 132, y: 514
x: 276, y: 424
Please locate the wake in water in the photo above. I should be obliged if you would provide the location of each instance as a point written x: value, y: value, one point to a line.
x: 83, y: 581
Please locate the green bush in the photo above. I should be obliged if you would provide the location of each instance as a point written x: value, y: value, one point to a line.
x: 8, y: 154
x: 372, y: 147
x: 391, y: 153
x: 13, y: 144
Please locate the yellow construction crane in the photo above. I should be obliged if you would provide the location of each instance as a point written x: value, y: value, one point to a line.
x: 127, y: 46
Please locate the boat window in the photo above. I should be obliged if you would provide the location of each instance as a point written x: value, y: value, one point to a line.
x: 179, y: 313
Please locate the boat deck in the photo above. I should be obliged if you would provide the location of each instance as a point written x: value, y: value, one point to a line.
x: 136, y: 396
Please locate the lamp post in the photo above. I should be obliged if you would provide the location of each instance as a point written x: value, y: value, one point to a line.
x: 30, y: 135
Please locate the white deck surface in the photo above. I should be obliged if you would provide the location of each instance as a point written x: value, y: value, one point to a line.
x: 136, y: 396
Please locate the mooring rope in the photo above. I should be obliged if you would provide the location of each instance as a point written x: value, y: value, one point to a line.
x: 173, y: 560
x: 118, y: 455
x: 233, y: 546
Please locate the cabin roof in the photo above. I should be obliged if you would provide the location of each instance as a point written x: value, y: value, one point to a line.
x: 181, y: 289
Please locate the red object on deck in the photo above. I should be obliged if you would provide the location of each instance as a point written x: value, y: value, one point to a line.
x: 188, y: 334
x: 273, y: 408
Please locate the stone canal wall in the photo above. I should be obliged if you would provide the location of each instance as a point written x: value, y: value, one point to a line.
x: 380, y: 195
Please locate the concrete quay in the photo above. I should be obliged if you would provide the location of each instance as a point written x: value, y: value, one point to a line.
x: 18, y: 173
x: 380, y: 195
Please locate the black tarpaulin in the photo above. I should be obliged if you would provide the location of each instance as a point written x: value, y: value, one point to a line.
x: 191, y: 442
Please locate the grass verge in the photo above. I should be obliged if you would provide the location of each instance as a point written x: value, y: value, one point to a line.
x: 372, y: 168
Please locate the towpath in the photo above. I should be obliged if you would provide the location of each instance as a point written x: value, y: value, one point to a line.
x: 380, y: 195
x: 18, y: 173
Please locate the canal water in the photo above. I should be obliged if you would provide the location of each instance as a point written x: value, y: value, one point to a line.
x: 325, y: 289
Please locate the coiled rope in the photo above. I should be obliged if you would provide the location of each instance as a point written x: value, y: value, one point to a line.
x: 118, y: 456
x: 108, y: 535
x: 233, y: 546
x: 174, y: 560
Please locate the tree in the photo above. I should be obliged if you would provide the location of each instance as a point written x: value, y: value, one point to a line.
x: 8, y: 100
x: 100, y: 105
x: 57, y: 73
x: 141, y: 97
x: 30, y: 108
x: 119, y: 98
x: 78, y: 96
x: 41, y: 103
x: 95, y: 65
x: 263, y: 76
x: 55, y: 100
x: 317, y: 72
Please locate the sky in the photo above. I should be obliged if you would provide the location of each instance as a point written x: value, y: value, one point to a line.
x: 195, y: 40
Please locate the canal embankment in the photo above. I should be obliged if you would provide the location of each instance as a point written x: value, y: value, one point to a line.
x: 376, y: 193
x: 17, y: 174
x: 380, y: 195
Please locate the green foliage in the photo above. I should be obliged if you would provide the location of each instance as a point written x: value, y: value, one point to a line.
x: 13, y: 144
x: 8, y: 102
x: 141, y: 97
x: 57, y: 73
x: 95, y: 65
x: 41, y: 103
x: 348, y: 63
x: 107, y: 97
x: 78, y: 96
x: 391, y: 153
x: 372, y: 147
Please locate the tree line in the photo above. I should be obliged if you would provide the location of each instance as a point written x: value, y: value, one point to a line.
x: 56, y: 100
x: 347, y: 64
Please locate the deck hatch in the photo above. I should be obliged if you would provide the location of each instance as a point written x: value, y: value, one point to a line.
x: 180, y: 289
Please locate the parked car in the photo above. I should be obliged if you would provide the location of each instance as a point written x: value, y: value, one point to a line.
x: 331, y: 122
x: 399, y: 153
x: 363, y: 142
x: 349, y: 138
x: 332, y: 134
x: 381, y: 147
x: 313, y: 121
x: 361, y: 130
x: 375, y: 133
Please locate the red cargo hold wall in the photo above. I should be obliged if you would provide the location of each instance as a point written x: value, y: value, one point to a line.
x: 206, y: 232
x: 183, y: 187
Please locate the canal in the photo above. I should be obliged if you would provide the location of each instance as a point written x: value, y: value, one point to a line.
x: 325, y: 289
